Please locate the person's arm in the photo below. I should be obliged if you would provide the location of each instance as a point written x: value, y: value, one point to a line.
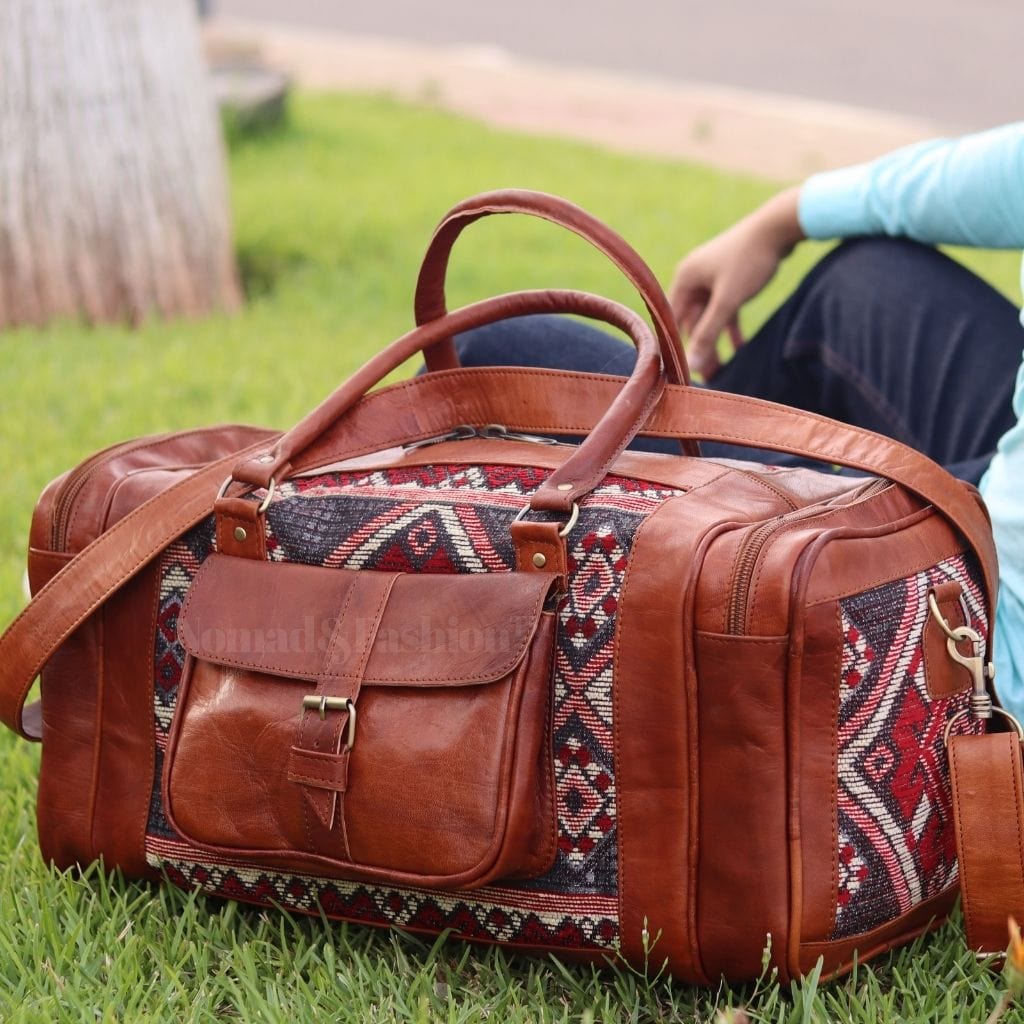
x: 968, y: 191
x: 717, y: 278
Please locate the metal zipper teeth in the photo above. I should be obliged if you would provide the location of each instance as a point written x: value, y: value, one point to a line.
x: 64, y: 503
x: 754, y: 544
x: 491, y: 432
x: 748, y: 556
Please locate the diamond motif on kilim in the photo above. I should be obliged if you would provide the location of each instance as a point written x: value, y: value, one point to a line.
x: 492, y: 914
x: 452, y: 519
x: 178, y: 565
x: 895, y: 832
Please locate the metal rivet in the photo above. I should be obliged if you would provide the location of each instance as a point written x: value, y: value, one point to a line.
x: 240, y: 534
x: 539, y: 560
x: 565, y: 487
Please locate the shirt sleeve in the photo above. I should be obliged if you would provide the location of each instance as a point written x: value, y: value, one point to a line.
x: 963, y: 191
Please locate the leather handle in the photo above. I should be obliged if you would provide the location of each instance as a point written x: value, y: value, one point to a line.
x: 430, y: 301
x: 611, y: 433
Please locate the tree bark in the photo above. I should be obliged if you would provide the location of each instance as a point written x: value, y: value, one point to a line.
x: 113, y: 187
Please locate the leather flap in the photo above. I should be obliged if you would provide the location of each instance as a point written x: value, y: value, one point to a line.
x: 434, y: 630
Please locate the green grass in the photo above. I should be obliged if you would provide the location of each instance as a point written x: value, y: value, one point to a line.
x: 332, y: 215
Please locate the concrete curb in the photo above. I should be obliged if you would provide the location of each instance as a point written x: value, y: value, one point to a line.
x: 772, y: 136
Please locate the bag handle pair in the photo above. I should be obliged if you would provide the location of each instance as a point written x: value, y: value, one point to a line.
x: 121, y: 552
x: 980, y: 764
x: 608, y: 438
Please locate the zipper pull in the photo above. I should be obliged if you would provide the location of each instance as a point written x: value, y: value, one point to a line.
x: 460, y: 433
x: 491, y: 432
x: 499, y: 432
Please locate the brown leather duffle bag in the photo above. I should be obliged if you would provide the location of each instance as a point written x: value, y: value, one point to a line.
x: 402, y: 665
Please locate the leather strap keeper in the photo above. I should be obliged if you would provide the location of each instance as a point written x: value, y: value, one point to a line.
x: 240, y: 529
x: 539, y: 548
x: 323, y: 771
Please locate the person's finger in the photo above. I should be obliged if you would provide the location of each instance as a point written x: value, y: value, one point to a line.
x: 736, y: 334
x: 689, y: 289
x: 710, y: 366
x: 703, y: 339
x: 688, y: 315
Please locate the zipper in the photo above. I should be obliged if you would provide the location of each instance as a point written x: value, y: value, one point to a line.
x: 64, y: 503
x: 460, y: 433
x: 754, y: 544
x: 499, y: 432
x: 491, y: 432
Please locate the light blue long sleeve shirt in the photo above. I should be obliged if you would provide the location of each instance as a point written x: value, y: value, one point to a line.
x: 966, y: 191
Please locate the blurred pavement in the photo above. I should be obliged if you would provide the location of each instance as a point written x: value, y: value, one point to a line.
x: 949, y: 61
x: 777, y: 90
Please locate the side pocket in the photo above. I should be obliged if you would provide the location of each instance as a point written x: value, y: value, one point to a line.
x: 403, y: 738
x: 744, y: 864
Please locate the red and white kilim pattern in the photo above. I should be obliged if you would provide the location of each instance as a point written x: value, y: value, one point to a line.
x: 493, y: 914
x: 448, y: 519
x: 895, y: 833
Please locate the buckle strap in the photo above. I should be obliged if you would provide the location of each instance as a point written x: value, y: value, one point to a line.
x: 319, y: 759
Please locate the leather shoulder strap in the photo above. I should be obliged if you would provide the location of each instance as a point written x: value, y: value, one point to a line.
x: 988, y: 817
x: 102, y: 568
x: 736, y: 419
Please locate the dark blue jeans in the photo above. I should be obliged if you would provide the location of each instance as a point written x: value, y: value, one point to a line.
x: 883, y: 333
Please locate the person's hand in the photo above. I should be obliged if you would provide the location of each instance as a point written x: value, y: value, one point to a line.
x: 718, y: 277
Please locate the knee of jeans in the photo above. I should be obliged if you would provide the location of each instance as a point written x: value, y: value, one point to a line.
x: 538, y: 340
x: 875, y: 258
x: 489, y: 345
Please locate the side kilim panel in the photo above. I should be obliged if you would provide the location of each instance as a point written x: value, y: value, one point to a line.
x: 896, y: 842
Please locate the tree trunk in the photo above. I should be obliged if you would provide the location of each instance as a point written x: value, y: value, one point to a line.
x: 113, y: 191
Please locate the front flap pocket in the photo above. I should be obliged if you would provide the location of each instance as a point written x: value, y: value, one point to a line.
x: 366, y: 724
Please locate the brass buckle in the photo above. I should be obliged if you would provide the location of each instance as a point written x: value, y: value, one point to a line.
x: 323, y: 704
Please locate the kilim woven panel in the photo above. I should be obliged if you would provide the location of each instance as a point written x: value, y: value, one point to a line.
x: 447, y: 519
x: 895, y: 832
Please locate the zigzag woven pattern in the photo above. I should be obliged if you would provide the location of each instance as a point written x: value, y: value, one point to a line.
x: 447, y: 519
x: 895, y: 830
x: 493, y: 914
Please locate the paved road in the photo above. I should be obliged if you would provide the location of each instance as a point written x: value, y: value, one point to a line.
x: 955, y: 62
